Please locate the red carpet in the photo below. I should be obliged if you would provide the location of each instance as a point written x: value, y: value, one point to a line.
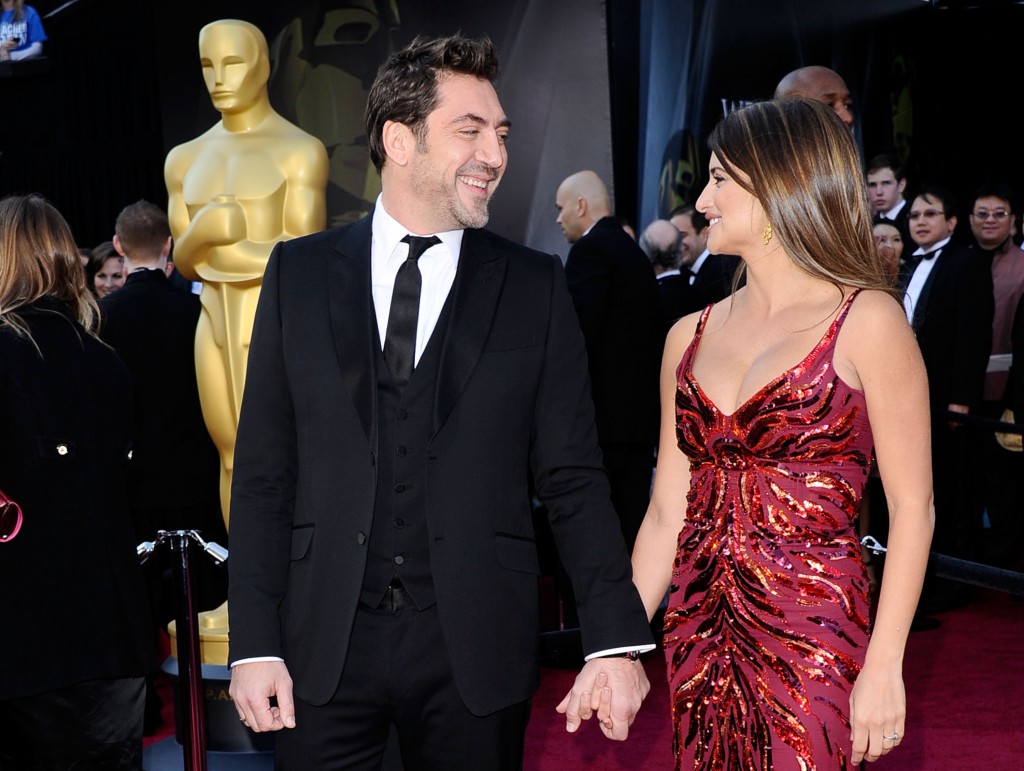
x: 965, y: 694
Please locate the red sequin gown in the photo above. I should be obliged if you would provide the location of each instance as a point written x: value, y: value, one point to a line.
x: 768, y: 612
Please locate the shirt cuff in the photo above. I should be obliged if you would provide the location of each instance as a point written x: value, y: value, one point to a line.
x: 255, y: 659
x: 620, y: 651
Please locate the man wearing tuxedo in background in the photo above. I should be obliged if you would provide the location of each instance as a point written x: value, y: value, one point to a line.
x: 175, y: 469
x: 710, y: 274
x: 615, y: 294
x: 949, y: 303
x: 413, y: 380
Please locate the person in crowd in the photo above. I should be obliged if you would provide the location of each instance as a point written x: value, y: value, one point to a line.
x: 175, y: 468
x: 772, y: 404
x: 75, y: 642
x: 663, y: 245
x: 887, y: 182
x: 820, y: 84
x: 413, y: 380
x: 106, y: 270
x: 992, y: 217
x: 21, y: 31
x: 949, y: 302
x: 890, y: 244
x: 227, y: 217
x: 615, y: 293
x: 711, y: 275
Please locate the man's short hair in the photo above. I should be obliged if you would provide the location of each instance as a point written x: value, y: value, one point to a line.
x: 697, y: 219
x: 142, y: 230
x: 999, y: 190
x: 940, y: 195
x: 887, y: 161
x: 663, y: 255
x: 405, y: 90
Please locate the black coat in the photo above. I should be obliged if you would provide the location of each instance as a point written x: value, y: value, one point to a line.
x: 74, y: 607
x: 953, y: 322
x: 152, y: 326
x: 511, y: 406
x: 615, y: 293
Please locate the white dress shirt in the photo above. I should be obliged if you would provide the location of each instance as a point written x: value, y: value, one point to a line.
x: 437, y: 267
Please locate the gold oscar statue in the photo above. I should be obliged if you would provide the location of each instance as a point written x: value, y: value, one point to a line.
x: 233, y: 192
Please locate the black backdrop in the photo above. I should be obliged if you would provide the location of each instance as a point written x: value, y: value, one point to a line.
x: 122, y: 86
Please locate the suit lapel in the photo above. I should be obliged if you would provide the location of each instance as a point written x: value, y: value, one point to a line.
x: 353, y: 320
x: 474, y: 301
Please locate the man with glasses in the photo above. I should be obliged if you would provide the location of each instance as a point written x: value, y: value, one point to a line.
x: 992, y: 223
x: 949, y: 303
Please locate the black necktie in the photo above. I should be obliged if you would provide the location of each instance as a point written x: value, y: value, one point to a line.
x: 400, y: 342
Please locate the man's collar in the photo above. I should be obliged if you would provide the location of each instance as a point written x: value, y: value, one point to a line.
x: 388, y: 232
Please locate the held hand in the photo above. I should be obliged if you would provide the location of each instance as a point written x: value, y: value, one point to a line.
x: 252, y: 685
x: 613, y: 688
x: 878, y: 710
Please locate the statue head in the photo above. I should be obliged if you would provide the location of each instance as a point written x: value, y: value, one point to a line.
x: 236, y: 64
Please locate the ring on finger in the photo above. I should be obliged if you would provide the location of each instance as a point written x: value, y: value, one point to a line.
x: 891, y: 737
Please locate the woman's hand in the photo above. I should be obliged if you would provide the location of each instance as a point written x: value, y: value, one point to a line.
x: 878, y: 710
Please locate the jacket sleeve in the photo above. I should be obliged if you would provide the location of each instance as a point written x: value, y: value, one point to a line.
x: 570, y: 481
x: 263, y: 484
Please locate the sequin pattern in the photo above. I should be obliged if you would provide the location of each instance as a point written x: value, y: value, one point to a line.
x: 768, y: 612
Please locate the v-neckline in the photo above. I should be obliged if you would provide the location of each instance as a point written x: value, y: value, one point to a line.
x: 699, y: 338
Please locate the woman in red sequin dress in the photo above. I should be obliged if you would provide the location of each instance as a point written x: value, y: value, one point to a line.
x: 774, y: 402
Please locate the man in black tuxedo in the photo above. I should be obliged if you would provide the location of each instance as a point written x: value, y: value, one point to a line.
x: 710, y: 274
x: 615, y: 294
x: 950, y: 304
x: 175, y: 468
x: 401, y: 397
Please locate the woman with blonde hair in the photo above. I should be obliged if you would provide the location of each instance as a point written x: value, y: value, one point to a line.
x: 75, y: 642
x: 774, y: 402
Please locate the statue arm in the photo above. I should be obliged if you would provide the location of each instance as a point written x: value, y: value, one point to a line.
x: 305, y: 207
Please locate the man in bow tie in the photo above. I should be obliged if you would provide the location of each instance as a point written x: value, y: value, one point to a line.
x: 414, y: 380
x: 950, y: 304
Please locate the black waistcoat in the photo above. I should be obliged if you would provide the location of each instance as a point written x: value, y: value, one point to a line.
x: 399, y: 539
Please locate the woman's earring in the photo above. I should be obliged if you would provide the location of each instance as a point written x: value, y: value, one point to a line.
x: 767, y: 233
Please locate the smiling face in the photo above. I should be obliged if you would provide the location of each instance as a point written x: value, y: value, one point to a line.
x: 991, y: 221
x: 456, y: 165
x: 110, y: 277
x: 736, y: 220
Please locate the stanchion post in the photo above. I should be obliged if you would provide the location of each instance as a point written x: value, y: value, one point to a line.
x: 189, y: 659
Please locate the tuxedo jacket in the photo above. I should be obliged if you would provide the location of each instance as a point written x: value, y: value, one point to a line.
x: 615, y: 293
x: 512, y: 416
x: 713, y: 281
x: 74, y: 608
x: 953, y: 322
x: 152, y: 326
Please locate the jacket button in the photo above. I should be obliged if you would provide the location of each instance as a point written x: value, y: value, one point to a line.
x: 361, y: 538
x: 399, y: 559
x: 401, y: 451
x: 62, y: 449
x: 399, y: 488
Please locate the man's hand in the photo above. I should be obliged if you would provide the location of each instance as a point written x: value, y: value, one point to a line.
x: 252, y: 685
x: 614, y: 688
